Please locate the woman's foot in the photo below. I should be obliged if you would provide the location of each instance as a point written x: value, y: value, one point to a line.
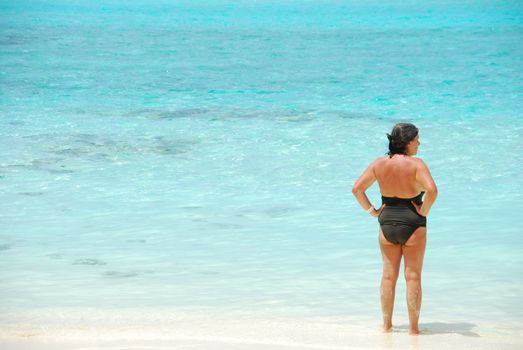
x: 387, y: 328
x: 413, y: 331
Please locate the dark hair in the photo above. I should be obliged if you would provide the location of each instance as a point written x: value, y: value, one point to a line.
x: 399, y: 138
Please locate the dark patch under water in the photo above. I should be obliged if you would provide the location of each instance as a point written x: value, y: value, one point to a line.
x: 152, y: 113
x: 89, y: 261
x: 120, y: 274
x: 32, y: 194
x: 68, y: 153
x: 136, y: 240
x: 5, y: 247
x: 223, y: 225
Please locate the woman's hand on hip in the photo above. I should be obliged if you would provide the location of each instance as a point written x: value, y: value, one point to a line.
x: 418, y: 208
x: 377, y: 212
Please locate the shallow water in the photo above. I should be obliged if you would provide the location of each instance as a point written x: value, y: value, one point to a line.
x: 200, y: 157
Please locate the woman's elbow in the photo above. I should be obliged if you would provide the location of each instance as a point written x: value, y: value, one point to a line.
x: 357, y: 190
x: 432, y: 190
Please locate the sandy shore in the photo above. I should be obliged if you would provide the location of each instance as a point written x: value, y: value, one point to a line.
x: 153, y: 332
x: 393, y: 341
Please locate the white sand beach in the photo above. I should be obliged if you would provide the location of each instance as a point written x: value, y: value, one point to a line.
x: 126, y: 331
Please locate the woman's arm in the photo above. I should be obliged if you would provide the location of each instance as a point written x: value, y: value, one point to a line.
x: 365, y: 181
x: 424, y: 177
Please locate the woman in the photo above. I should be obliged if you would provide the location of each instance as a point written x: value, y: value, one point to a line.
x: 403, y: 180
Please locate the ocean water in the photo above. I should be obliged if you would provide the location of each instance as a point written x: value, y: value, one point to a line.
x: 162, y: 158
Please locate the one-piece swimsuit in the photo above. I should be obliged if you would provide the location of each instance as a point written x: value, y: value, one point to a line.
x: 399, y: 219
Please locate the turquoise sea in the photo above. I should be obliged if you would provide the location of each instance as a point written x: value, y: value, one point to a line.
x: 168, y: 157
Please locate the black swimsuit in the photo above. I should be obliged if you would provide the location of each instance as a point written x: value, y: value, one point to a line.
x: 399, y: 219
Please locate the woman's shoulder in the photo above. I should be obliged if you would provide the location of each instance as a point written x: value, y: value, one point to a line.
x: 414, y: 161
x: 419, y: 161
x: 381, y: 159
x: 378, y: 161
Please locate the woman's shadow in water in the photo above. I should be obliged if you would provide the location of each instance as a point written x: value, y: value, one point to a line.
x: 462, y: 328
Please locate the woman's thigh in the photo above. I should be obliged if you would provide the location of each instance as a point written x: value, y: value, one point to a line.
x: 414, y: 251
x: 391, y: 255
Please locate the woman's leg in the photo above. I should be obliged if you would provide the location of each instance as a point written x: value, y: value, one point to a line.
x: 391, y: 254
x: 413, y: 252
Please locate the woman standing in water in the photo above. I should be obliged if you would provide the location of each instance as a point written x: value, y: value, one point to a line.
x: 403, y: 180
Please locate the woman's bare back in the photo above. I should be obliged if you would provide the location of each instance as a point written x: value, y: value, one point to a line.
x: 396, y: 176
